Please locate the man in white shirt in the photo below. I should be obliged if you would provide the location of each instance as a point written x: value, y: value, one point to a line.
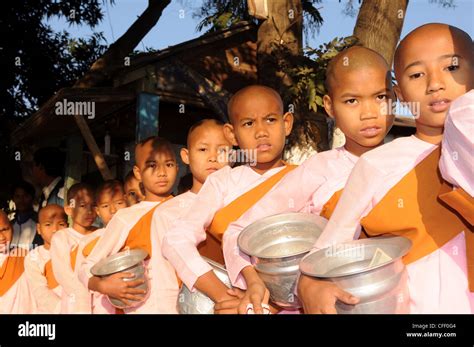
x: 48, y: 167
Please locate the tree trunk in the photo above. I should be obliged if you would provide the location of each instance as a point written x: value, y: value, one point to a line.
x: 104, y: 67
x: 283, y: 27
x: 215, y: 96
x: 379, y: 25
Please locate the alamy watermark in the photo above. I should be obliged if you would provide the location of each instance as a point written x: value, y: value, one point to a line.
x: 245, y: 156
x: 400, y: 108
x: 75, y: 108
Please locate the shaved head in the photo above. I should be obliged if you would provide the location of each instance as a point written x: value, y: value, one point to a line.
x: 206, y: 123
x: 51, y: 211
x: 353, y: 59
x: 461, y: 42
x: 254, y: 92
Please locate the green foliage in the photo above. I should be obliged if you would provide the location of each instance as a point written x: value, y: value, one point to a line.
x: 308, y: 78
x: 444, y: 3
x: 222, y: 14
x: 307, y: 75
x: 35, y: 60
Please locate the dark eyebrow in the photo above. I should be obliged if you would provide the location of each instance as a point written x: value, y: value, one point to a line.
x: 445, y: 56
x: 271, y: 114
x: 439, y: 58
x: 385, y: 90
x: 412, y: 64
x: 247, y: 119
x: 345, y: 95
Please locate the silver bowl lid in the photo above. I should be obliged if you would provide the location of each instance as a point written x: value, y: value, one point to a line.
x: 353, y: 257
x: 119, y: 262
x: 282, y: 235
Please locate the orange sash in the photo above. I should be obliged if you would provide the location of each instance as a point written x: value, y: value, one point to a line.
x: 412, y: 209
x: 140, y: 235
x: 89, y: 247
x: 212, y: 246
x: 330, y: 205
x: 73, y: 256
x: 11, y: 270
x: 48, y: 273
x: 461, y: 202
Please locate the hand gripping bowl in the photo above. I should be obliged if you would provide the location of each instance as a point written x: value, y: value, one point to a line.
x: 130, y: 261
x: 197, y: 302
x: 276, y: 245
x: 381, y: 286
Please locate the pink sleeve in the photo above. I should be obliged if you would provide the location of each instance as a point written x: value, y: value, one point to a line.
x: 109, y: 243
x: 457, y: 156
x: 291, y: 194
x: 355, y: 202
x: 64, y: 274
x: 181, y: 240
x: 46, y: 300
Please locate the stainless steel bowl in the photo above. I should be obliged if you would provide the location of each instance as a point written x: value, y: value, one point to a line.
x: 130, y: 261
x: 381, y: 287
x: 276, y: 245
x: 197, y: 302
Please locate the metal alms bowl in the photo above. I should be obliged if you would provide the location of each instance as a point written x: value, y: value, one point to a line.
x: 197, y: 302
x: 130, y: 261
x: 276, y: 245
x: 381, y: 287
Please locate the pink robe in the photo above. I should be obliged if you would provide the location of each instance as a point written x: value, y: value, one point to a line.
x: 19, y: 298
x: 99, y: 303
x: 437, y: 282
x: 75, y: 298
x: 163, y: 273
x: 307, y: 188
x: 112, y: 241
x: 47, y: 300
x: 457, y: 150
x: 181, y: 241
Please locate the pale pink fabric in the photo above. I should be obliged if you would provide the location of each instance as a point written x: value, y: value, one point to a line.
x: 99, y: 303
x: 163, y: 291
x: 46, y: 300
x: 306, y: 188
x: 457, y: 157
x: 181, y: 241
x: 75, y: 297
x: 162, y: 273
x: 19, y: 298
x: 437, y: 282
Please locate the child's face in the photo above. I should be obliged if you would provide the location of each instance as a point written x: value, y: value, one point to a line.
x: 82, y: 209
x: 110, y: 201
x: 207, y: 152
x: 23, y: 201
x: 5, y: 233
x: 133, y: 193
x: 258, y: 124
x: 433, y: 69
x: 359, y: 104
x: 51, y: 219
x: 157, y: 172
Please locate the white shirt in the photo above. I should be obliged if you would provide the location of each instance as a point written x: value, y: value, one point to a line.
x: 47, y: 191
x: 23, y: 234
